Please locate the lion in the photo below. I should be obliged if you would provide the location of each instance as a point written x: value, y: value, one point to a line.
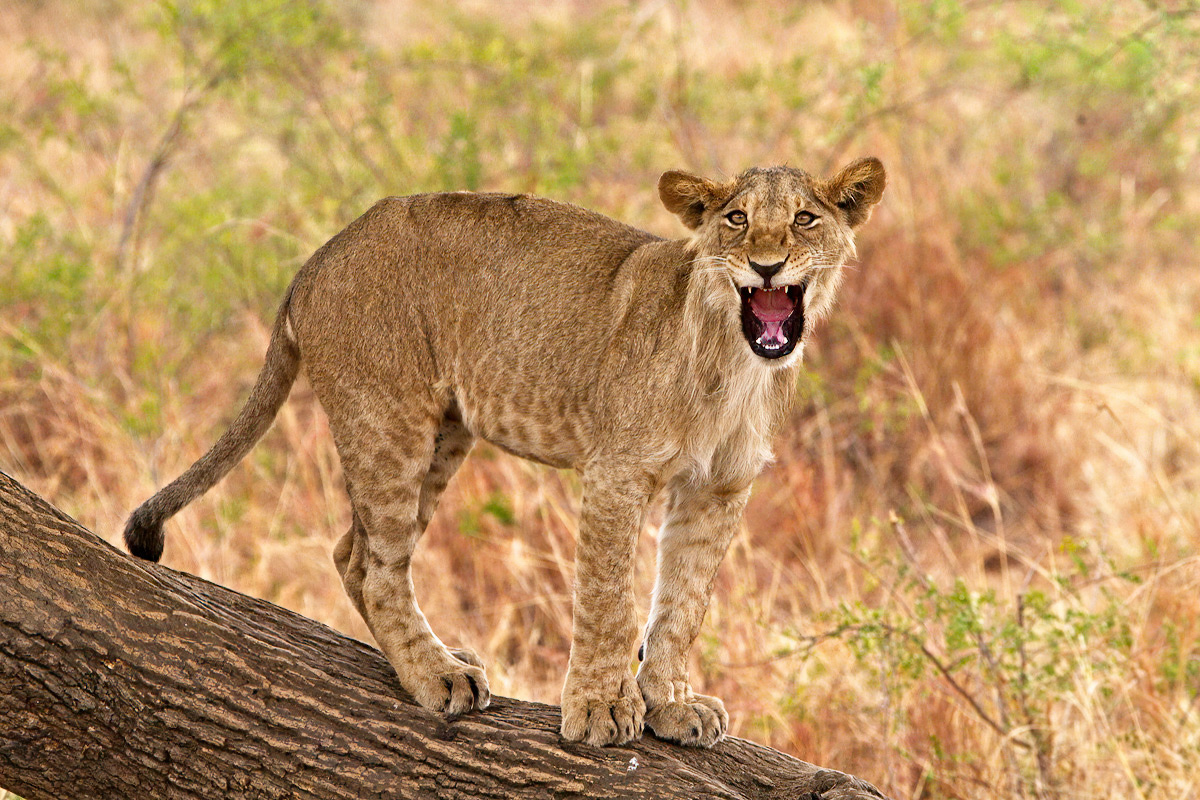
x: 565, y: 337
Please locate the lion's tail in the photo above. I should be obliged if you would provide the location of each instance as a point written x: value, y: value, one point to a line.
x: 144, y: 529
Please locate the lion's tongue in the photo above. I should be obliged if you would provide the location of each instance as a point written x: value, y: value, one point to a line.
x: 772, y: 307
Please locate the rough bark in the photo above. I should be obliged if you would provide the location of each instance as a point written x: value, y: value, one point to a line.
x: 123, y: 679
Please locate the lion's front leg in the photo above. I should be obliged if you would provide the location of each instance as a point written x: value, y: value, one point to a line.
x: 601, y: 702
x: 700, y: 522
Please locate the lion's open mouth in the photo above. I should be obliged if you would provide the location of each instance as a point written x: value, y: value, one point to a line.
x: 773, y: 319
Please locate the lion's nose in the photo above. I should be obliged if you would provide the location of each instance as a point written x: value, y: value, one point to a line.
x: 767, y: 271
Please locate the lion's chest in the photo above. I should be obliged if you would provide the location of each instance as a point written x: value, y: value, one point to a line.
x: 729, y: 439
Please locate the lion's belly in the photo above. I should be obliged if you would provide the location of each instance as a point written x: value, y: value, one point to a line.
x: 555, y: 433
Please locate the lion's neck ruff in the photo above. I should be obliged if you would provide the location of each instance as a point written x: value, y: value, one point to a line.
x: 736, y: 399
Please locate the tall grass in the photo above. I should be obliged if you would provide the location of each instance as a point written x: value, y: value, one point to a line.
x: 972, y: 570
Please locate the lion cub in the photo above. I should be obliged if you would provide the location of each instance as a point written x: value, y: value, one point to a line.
x: 571, y: 339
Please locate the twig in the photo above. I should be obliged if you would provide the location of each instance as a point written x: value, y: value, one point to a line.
x: 144, y: 190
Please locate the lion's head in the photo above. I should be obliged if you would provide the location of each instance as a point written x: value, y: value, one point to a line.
x: 776, y: 240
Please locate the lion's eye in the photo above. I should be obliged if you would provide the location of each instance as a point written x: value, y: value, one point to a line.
x: 806, y: 219
x: 736, y: 218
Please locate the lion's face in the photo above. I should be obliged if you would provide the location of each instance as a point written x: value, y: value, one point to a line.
x: 777, y: 238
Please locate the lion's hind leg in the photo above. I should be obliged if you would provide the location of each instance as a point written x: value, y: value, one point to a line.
x: 452, y: 443
x: 397, y: 459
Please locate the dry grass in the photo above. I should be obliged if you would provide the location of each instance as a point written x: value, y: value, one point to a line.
x: 973, y: 570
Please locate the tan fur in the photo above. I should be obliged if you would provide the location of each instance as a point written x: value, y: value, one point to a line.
x: 571, y: 339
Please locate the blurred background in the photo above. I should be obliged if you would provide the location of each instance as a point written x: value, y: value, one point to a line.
x: 972, y: 571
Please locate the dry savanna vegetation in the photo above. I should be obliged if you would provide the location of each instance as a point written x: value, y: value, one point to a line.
x: 973, y: 570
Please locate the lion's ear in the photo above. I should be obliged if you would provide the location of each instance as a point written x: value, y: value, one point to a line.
x: 688, y: 196
x: 856, y: 189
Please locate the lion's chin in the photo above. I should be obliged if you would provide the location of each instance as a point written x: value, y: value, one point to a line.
x: 773, y: 319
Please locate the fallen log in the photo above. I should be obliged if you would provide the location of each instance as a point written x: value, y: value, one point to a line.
x: 125, y: 679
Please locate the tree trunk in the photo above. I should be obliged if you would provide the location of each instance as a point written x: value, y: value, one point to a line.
x: 124, y: 679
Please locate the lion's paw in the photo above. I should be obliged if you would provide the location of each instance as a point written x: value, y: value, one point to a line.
x: 454, y: 687
x: 700, y: 722
x: 601, y: 721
